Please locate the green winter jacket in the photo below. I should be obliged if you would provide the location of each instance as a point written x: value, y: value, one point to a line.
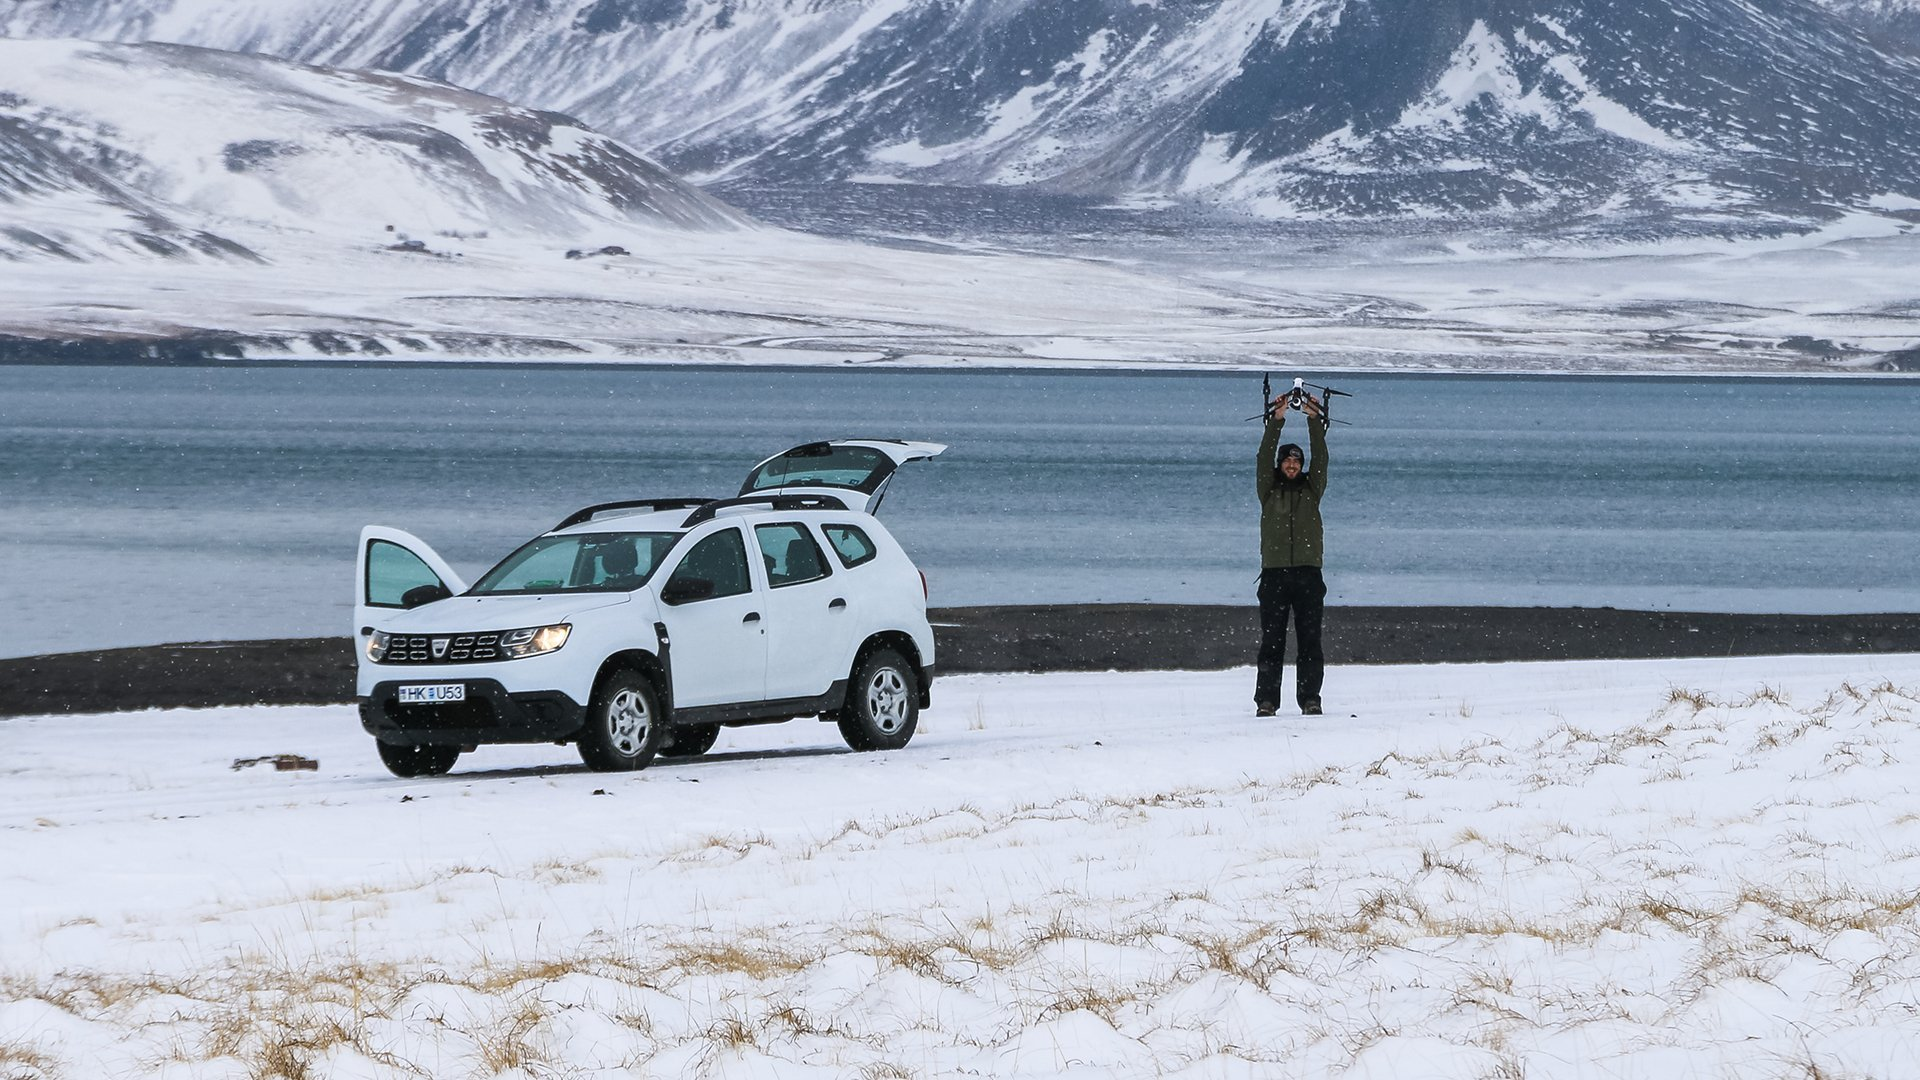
x: 1290, y: 509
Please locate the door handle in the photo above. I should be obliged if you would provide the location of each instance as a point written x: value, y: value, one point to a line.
x: 839, y: 604
x: 752, y: 616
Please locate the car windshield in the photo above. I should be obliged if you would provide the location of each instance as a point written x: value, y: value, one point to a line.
x: 583, y: 562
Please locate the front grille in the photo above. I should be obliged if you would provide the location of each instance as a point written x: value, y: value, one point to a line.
x: 443, y: 649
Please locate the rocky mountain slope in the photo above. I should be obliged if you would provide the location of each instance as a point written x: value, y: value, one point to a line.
x: 169, y: 150
x: 1716, y: 110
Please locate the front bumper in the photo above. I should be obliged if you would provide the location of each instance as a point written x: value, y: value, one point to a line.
x: 489, y: 715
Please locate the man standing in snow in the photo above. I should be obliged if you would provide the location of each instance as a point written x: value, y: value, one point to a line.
x: 1290, y: 580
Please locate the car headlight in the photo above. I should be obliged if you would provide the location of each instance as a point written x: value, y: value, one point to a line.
x: 533, y: 641
x: 377, y: 646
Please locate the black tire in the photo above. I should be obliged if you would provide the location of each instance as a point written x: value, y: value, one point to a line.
x: 624, y: 724
x: 883, y: 703
x: 412, y: 761
x: 689, y: 741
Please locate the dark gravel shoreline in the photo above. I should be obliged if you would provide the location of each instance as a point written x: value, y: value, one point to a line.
x: 1067, y: 637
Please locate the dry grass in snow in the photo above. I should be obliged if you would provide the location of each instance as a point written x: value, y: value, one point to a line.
x: 1621, y: 870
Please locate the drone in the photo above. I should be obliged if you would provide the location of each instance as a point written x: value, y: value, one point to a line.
x: 1296, y: 398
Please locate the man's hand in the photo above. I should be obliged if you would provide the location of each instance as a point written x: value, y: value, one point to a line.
x: 1277, y: 408
x: 1311, y: 406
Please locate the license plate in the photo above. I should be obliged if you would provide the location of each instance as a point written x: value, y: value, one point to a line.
x: 433, y: 695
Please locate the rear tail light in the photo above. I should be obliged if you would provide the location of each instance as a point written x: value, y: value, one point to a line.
x: 923, y: 585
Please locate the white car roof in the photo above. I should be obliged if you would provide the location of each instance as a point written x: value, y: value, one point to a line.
x: 675, y: 520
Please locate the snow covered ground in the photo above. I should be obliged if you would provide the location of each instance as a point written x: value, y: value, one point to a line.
x: 1649, y: 869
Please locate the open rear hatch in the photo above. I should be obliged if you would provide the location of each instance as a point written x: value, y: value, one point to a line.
x: 856, y: 471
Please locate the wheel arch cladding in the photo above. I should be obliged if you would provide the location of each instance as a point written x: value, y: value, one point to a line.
x: 901, y: 642
x: 648, y: 665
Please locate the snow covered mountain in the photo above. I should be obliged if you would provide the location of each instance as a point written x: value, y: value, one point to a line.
x: 1892, y: 24
x: 1709, y: 109
x: 170, y: 150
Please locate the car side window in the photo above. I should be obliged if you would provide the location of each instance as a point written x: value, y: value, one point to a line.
x: 721, y: 559
x: 392, y: 572
x: 852, y: 544
x: 790, y: 553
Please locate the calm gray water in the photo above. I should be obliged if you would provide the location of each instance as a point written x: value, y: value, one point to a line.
x: 142, y: 505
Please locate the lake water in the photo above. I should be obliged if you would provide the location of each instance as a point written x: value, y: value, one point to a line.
x: 142, y: 505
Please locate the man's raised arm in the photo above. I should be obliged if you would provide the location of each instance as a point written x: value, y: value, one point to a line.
x: 1264, y: 466
x: 1317, y: 436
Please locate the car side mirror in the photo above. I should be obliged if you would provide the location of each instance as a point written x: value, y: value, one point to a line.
x: 424, y: 594
x: 685, y: 590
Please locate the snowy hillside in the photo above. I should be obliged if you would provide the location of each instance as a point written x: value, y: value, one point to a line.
x: 117, y: 150
x: 1892, y: 24
x: 178, y: 203
x: 1637, y: 870
x: 1690, y: 109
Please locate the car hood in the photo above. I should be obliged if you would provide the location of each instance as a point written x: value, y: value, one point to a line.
x: 461, y: 614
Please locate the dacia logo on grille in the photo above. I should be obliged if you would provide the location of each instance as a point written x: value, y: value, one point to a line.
x: 439, y: 647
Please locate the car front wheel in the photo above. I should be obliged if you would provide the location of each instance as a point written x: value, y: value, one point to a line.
x: 624, y: 726
x: 412, y: 761
x: 882, y: 706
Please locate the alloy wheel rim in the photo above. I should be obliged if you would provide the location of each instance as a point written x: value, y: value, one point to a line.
x: 887, y: 700
x: 627, y: 722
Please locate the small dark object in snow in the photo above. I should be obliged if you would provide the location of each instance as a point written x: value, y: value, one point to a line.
x: 610, y: 249
x: 416, y: 246
x: 280, y: 762
x: 1097, y: 742
x: 406, y: 798
x: 601, y: 791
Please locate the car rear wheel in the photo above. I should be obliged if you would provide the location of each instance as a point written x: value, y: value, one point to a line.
x: 690, y: 741
x: 411, y: 761
x: 883, y: 706
x: 624, y: 726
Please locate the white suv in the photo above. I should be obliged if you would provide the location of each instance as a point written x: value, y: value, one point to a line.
x: 643, y: 627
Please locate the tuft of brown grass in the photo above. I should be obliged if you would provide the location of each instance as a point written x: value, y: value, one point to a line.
x: 24, y: 1061
x: 1431, y: 860
x: 1697, y: 700
x: 511, y: 1043
x: 723, y: 956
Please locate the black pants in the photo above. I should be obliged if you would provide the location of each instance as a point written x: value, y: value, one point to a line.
x: 1303, y: 592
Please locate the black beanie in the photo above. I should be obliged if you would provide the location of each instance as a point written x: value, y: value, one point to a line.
x: 1292, y: 450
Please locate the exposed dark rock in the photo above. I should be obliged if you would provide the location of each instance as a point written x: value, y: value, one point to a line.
x: 1903, y: 360
x: 612, y: 16
x: 191, y: 349
x: 255, y: 153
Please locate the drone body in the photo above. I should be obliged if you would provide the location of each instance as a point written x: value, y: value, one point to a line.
x: 1297, y: 398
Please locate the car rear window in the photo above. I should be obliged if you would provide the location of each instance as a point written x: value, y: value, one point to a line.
x: 858, y: 467
x: 851, y: 543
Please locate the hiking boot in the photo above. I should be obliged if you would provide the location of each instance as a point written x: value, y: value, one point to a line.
x: 1264, y: 710
x: 1310, y: 708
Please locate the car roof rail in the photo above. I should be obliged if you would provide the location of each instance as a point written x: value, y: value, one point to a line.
x: 712, y: 509
x: 588, y: 513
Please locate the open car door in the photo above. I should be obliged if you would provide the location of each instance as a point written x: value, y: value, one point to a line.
x: 395, y: 571
x: 856, y: 471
